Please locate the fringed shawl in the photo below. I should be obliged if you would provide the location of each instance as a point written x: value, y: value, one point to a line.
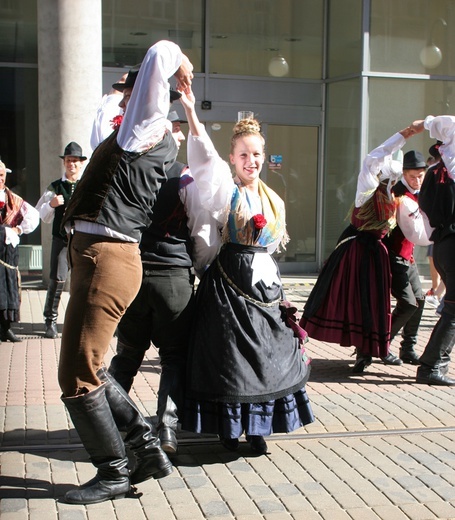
x: 13, y: 216
x: 378, y: 213
x: 240, y: 227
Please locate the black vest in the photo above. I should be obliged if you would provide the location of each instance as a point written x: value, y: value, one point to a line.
x: 65, y: 188
x: 118, y: 188
x: 437, y: 200
x: 167, y: 240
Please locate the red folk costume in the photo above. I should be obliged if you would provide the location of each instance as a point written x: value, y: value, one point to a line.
x: 350, y: 302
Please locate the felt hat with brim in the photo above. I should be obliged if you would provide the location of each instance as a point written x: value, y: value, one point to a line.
x: 175, y: 118
x: 74, y: 150
x: 131, y: 80
x: 413, y: 160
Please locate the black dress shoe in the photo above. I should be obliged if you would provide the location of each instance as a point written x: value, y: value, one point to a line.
x: 230, y: 444
x: 434, y: 379
x: 10, y: 336
x: 361, y: 363
x: 257, y: 443
x: 409, y: 357
x: 391, y: 359
x: 168, y: 440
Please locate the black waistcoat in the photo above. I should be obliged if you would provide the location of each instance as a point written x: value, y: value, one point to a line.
x: 167, y: 240
x: 65, y: 188
x: 119, y: 188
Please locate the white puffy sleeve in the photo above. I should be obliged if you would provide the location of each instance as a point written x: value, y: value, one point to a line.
x: 443, y: 129
x: 379, y: 159
x: 212, y: 175
x: 144, y: 122
x: 204, y: 229
x: 413, y: 223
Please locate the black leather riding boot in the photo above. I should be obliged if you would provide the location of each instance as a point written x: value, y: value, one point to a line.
x: 409, y: 335
x: 53, y: 296
x: 125, y: 364
x: 93, y: 420
x: 151, y: 461
x: 169, y: 401
x: 436, y: 357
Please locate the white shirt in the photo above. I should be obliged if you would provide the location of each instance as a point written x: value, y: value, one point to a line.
x: 102, y: 125
x: 30, y: 221
x: 378, y: 160
x: 443, y: 129
x: 413, y: 223
x: 145, y: 119
x: 46, y: 211
x: 204, y: 230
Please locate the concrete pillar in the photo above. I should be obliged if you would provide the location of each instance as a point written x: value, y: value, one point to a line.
x: 69, y: 85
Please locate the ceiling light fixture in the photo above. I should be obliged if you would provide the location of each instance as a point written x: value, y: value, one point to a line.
x: 431, y: 55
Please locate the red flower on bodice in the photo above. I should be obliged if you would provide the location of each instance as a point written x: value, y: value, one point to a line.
x: 116, y: 122
x: 259, y: 221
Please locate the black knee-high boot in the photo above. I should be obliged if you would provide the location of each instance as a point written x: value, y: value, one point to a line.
x: 94, y: 422
x: 409, y: 335
x: 436, y: 357
x: 53, y: 296
x: 151, y: 461
x: 170, y: 399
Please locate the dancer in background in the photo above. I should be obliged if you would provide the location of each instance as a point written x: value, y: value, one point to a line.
x: 350, y: 302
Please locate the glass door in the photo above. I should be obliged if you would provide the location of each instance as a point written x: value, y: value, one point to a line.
x: 291, y: 169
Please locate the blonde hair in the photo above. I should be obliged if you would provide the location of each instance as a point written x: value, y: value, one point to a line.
x: 246, y: 127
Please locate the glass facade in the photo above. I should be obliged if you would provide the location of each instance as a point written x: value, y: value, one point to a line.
x: 413, y: 37
x: 329, y: 80
x: 246, y: 38
x: 130, y: 26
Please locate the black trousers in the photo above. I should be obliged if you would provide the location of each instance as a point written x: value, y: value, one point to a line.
x: 438, y: 349
x: 59, y: 260
x: 407, y: 290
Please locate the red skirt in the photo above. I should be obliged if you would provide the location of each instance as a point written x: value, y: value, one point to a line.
x: 350, y: 302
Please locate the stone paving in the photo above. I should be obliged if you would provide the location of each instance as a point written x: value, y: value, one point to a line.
x: 382, y: 447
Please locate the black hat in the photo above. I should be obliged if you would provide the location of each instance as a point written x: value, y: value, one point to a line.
x: 74, y: 150
x: 175, y: 94
x: 175, y: 118
x: 434, y: 150
x: 131, y: 80
x: 413, y: 160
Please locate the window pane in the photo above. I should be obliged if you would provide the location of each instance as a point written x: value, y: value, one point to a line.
x: 296, y: 182
x: 390, y: 113
x: 413, y: 36
x: 246, y: 36
x: 18, y: 39
x: 128, y: 32
x: 344, y: 41
x: 342, y: 163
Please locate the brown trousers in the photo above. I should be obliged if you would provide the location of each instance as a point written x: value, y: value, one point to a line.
x: 106, y: 275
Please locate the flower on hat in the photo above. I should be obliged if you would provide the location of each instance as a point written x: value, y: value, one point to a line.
x: 116, y: 122
x: 259, y: 221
